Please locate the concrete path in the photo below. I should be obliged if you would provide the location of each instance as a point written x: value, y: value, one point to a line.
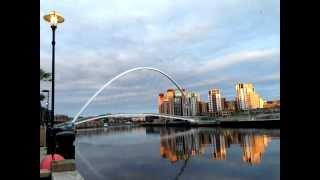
x: 67, y: 175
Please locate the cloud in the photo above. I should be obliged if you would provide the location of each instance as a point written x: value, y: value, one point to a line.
x: 242, y: 57
x: 202, y: 45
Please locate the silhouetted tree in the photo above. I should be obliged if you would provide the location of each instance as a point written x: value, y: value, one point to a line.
x: 44, y: 76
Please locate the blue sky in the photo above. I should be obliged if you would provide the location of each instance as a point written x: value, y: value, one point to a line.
x: 202, y: 44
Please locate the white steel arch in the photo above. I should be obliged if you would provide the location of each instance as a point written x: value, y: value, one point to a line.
x: 120, y: 75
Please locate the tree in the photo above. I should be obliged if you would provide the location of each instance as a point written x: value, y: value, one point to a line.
x: 44, y: 76
x: 42, y: 97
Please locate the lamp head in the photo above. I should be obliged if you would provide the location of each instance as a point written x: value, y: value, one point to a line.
x: 53, y: 18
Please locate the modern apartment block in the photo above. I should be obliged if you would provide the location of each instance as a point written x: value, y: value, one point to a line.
x: 192, y: 99
x: 215, y: 104
x: 247, y: 98
x: 173, y: 103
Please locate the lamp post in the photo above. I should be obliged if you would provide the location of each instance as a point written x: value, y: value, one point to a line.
x: 54, y: 18
x: 47, y: 114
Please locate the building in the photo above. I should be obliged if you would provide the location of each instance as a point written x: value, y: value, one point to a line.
x: 193, y: 98
x: 60, y: 118
x: 91, y: 124
x: 215, y: 101
x: 247, y: 98
x: 170, y: 100
x: 173, y: 103
x: 242, y: 95
x: 166, y: 102
x: 272, y: 104
x: 230, y: 106
x: 223, y: 103
x: 178, y: 103
x: 203, y: 108
x: 161, y: 98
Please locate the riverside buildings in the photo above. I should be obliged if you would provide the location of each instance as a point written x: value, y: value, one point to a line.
x: 172, y: 102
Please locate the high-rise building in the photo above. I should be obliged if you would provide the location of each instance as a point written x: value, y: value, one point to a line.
x: 247, y: 98
x: 193, y: 99
x: 215, y: 100
x: 261, y: 103
x: 172, y: 102
x: 166, y: 102
x: 161, y: 99
x: 178, y: 103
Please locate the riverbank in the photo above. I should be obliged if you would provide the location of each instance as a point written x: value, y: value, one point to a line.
x: 269, y: 123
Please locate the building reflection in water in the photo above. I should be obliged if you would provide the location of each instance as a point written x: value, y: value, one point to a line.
x: 181, y: 144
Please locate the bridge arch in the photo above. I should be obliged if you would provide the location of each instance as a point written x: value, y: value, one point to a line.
x: 122, y: 74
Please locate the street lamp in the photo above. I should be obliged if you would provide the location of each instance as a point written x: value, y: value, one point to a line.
x: 54, y: 18
x: 47, y: 91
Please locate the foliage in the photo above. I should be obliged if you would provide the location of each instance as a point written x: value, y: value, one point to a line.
x: 42, y: 97
x: 44, y: 76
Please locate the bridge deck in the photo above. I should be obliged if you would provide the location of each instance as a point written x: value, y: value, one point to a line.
x: 135, y: 115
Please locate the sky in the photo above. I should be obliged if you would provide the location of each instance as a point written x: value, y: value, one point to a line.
x: 202, y: 44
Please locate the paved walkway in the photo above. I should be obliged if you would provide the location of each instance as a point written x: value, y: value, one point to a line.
x: 67, y: 175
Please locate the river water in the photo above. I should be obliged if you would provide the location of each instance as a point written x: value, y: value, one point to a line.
x: 152, y: 153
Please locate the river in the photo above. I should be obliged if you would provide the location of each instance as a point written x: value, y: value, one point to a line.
x: 154, y: 153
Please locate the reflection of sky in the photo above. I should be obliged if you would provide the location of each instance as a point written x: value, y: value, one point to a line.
x: 129, y: 138
x: 135, y: 155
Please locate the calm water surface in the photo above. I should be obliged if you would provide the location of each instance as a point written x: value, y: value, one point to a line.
x: 178, y: 153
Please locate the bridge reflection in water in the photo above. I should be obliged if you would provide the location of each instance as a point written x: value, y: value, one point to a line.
x: 175, y: 145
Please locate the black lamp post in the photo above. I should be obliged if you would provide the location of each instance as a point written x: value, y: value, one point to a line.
x: 54, y: 18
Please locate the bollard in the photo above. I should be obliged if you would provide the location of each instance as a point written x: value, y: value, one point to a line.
x: 65, y: 144
x: 50, y: 135
x: 60, y: 140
